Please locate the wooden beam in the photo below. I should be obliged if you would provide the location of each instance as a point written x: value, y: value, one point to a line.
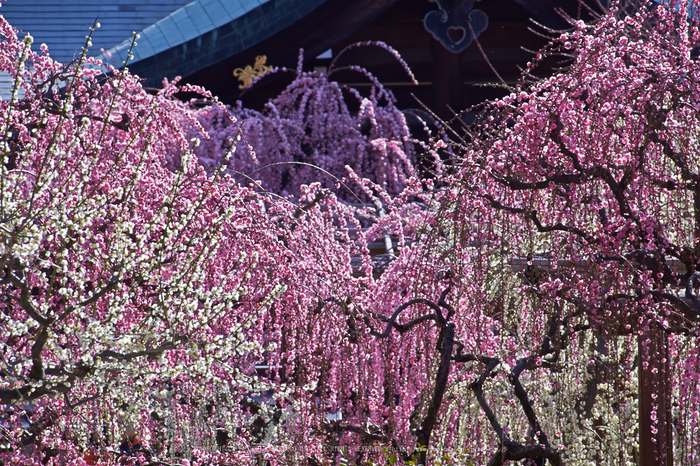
x: 655, y: 417
x: 447, y: 82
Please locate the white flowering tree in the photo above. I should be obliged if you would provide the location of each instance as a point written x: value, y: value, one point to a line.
x: 130, y: 295
x: 139, y: 295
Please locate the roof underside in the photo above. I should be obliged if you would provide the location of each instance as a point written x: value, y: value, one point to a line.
x: 279, y: 28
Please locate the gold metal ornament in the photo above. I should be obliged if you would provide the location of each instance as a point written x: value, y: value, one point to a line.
x: 248, y: 74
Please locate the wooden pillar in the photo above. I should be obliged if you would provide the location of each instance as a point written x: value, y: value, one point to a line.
x: 655, y: 417
x: 448, y: 87
x: 654, y: 378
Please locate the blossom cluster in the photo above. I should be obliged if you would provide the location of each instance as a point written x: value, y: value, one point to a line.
x: 308, y: 134
x: 590, y: 177
x: 228, y: 285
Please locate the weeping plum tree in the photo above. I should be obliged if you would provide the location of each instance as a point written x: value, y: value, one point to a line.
x: 136, y: 300
x: 116, y: 282
x: 139, y: 294
x: 585, y: 184
x: 589, y: 180
x: 308, y: 134
x: 399, y: 353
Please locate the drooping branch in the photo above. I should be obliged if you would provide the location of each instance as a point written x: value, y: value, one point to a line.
x: 167, y: 346
x: 401, y: 328
x: 525, y: 402
x: 24, y: 299
x: 553, y: 342
x: 31, y: 392
x: 561, y: 180
x: 477, y: 388
x: 441, y: 377
x: 555, y: 134
x: 532, y: 215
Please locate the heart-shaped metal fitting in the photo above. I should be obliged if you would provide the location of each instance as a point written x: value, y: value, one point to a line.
x: 455, y: 19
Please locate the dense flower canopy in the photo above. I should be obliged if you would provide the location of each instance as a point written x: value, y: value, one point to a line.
x: 186, y: 283
x: 139, y: 295
x: 120, y: 279
x: 308, y: 134
x: 592, y: 174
